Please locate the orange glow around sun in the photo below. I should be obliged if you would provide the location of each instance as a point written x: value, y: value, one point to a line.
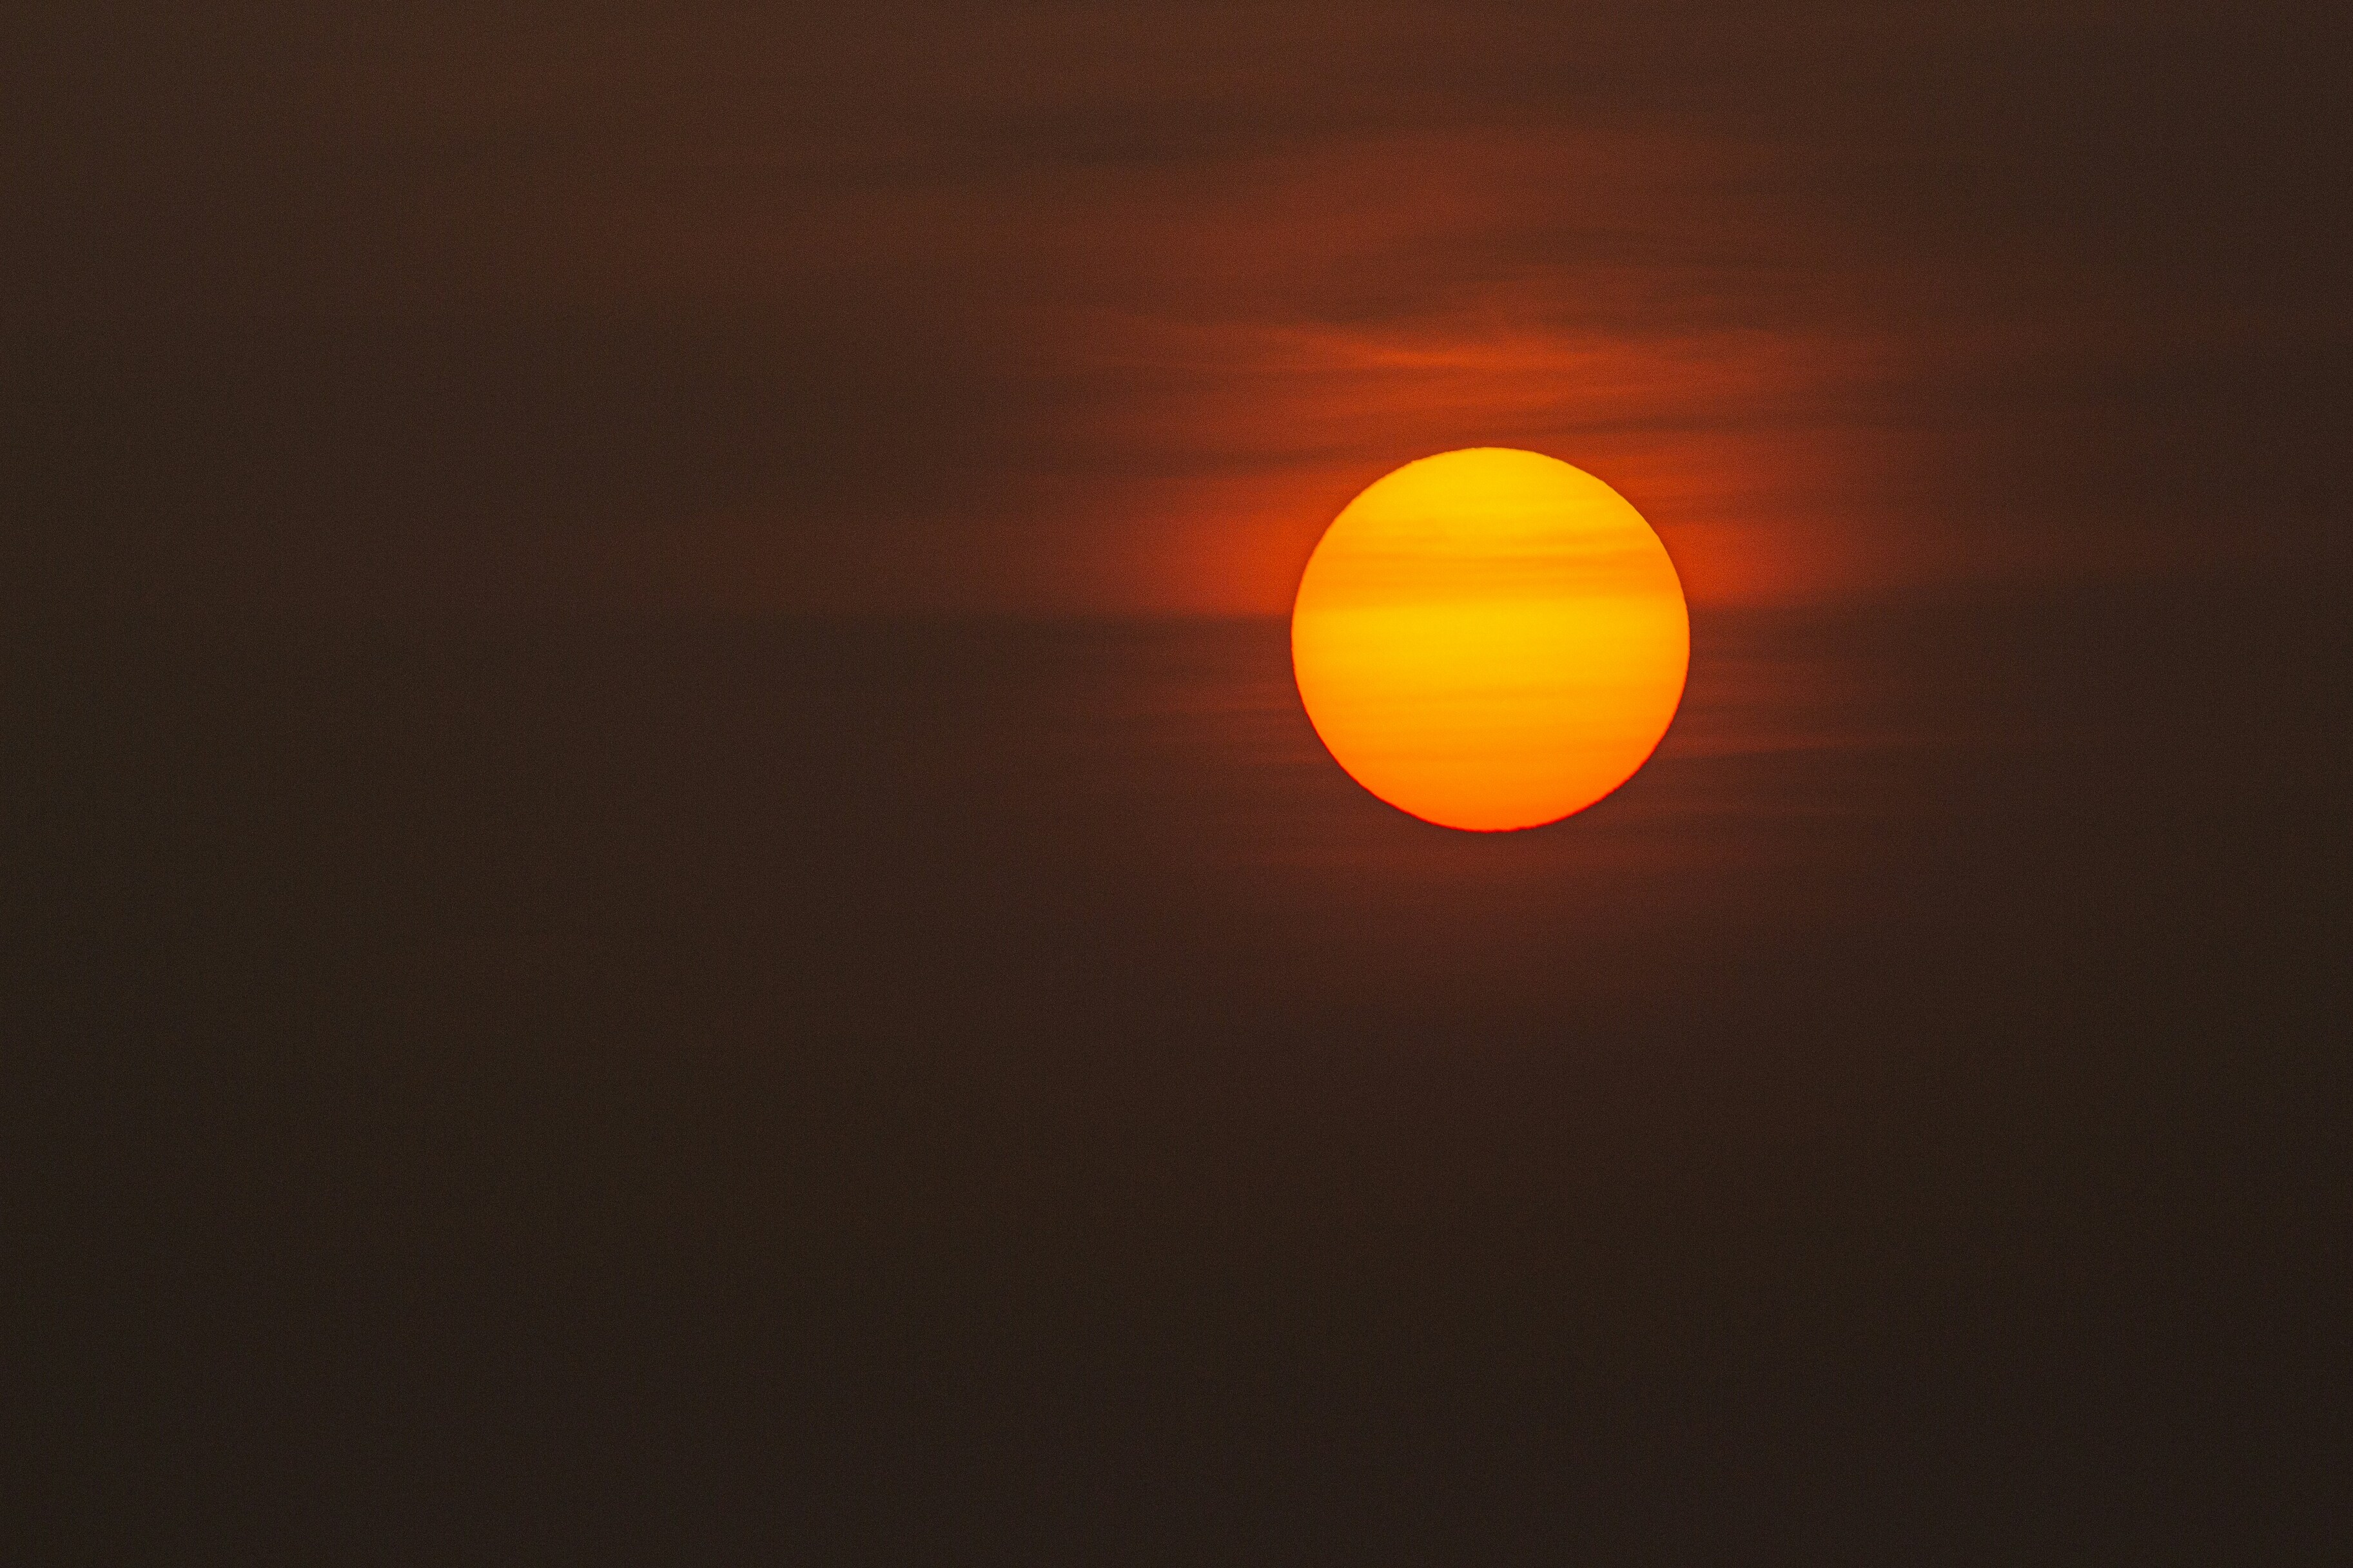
x: 1490, y: 639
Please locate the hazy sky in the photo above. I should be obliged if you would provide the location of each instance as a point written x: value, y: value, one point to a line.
x: 1076, y: 307
x: 524, y: 1052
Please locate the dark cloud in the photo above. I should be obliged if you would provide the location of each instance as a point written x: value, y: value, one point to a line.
x: 344, y: 300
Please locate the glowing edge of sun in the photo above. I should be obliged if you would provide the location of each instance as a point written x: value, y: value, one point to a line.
x: 1490, y: 639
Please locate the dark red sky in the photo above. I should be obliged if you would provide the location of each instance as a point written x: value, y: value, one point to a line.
x: 1070, y: 307
x: 522, y: 1052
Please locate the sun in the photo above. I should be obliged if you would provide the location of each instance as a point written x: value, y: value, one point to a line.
x: 1490, y: 639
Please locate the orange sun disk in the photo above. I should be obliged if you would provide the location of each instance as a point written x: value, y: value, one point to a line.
x: 1490, y: 639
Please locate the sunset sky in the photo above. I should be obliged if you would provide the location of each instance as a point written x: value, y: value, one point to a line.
x: 1072, y: 308
x: 680, y: 892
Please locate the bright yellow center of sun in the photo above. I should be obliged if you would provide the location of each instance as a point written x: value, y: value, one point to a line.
x: 1490, y: 639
